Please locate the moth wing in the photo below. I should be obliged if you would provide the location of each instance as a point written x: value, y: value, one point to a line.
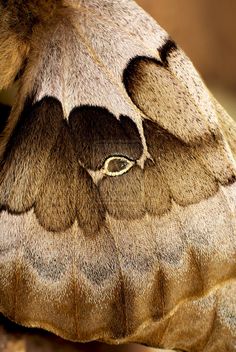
x: 148, y: 256
x: 171, y: 272
x: 228, y: 126
x: 68, y: 283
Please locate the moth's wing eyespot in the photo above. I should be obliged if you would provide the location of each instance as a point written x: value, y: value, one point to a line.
x: 117, y: 166
x: 98, y: 134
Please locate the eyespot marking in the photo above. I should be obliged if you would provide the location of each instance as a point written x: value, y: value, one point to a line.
x: 117, y: 166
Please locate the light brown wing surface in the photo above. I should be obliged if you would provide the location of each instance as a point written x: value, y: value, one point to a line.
x: 145, y: 256
x: 228, y: 127
x: 14, y: 338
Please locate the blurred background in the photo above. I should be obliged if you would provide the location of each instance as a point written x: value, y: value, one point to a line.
x: 206, y: 30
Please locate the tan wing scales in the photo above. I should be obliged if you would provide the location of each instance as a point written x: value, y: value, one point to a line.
x: 147, y: 256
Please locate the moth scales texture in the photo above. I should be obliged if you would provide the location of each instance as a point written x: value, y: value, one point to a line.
x: 117, y: 181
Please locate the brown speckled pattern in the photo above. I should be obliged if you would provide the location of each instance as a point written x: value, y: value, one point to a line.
x: 147, y: 256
